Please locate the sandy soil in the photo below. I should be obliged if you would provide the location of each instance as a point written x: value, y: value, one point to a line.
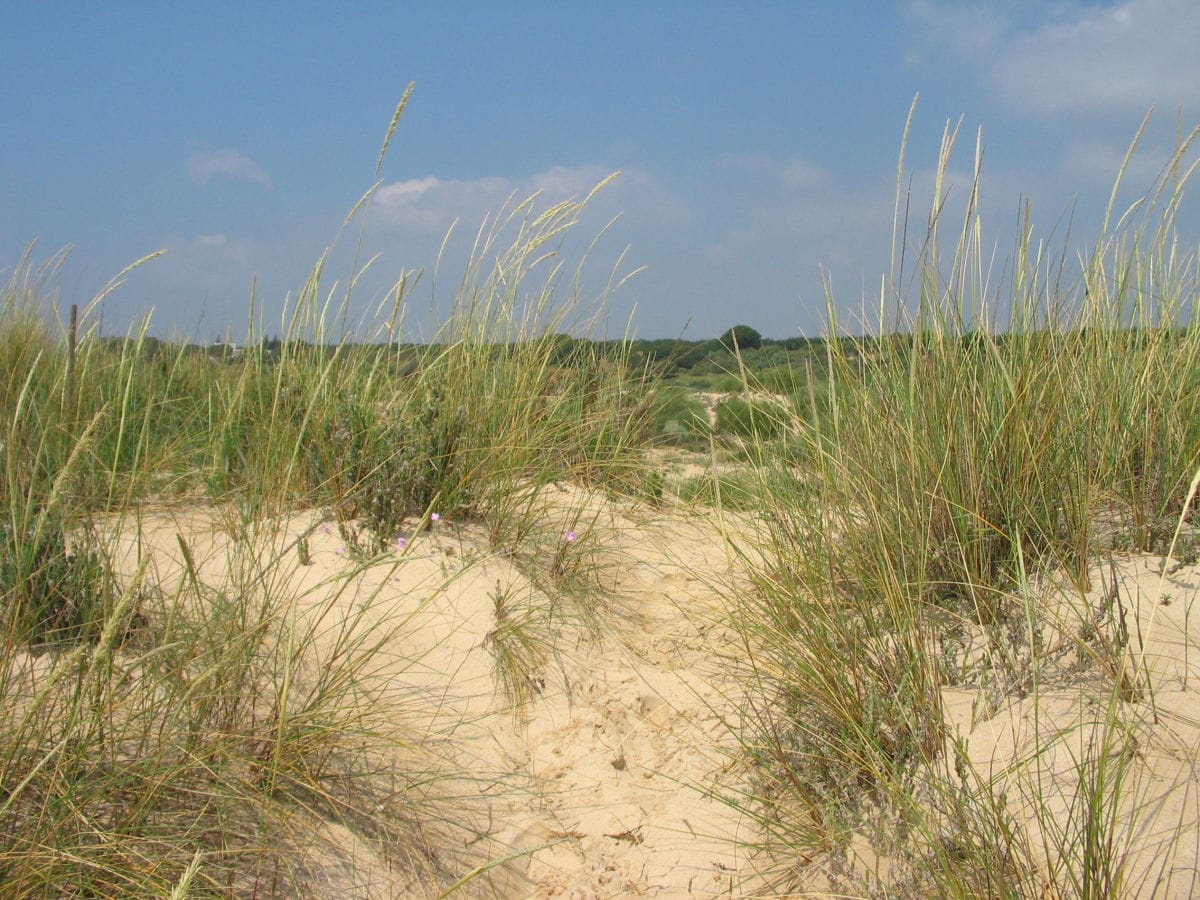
x: 597, y: 786
x: 1147, y: 605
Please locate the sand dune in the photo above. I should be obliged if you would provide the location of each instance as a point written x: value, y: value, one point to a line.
x: 600, y: 771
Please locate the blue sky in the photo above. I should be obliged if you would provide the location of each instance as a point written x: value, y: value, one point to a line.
x: 757, y: 142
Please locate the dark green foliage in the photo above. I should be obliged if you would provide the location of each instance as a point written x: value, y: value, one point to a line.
x: 564, y: 349
x: 653, y: 487
x: 699, y: 352
x: 381, y: 467
x: 50, y: 592
x: 741, y: 337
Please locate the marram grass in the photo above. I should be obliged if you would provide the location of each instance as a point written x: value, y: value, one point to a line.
x: 176, y: 732
x: 986, y: 439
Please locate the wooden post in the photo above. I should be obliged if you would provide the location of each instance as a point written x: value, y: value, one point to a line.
x: 71, y: 340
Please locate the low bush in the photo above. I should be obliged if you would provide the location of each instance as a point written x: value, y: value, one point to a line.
x: 751, y: 419
x: 680, y: 419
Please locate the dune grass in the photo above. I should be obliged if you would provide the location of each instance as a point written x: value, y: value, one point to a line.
x: 985, y: 446
x: 178, y: 720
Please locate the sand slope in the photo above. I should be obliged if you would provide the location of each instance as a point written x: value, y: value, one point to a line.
x: 592, y: 779
x: 595, y: 784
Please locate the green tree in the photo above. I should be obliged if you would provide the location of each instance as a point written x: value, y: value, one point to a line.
x: 741, y: 337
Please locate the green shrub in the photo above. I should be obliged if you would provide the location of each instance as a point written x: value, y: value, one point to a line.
x: 680, y: 419
x: 751, y: 419
x: 740, y: 338
x: 50, y: 593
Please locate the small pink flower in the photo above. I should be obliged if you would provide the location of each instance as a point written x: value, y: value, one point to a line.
x: 340, y: 550
x: 570, y: 537
x: 401, y: 543
x: 435, y: 517
x: 325, y: 528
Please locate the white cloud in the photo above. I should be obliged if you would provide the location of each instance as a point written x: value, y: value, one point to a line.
x: 208, y: 261
x: 230, y: 163
x: 963, y: 29
x: 1099, y: 161
x: 1120, y: 58
x: 795, y: 173
x: 565, y: 182
x: 1124, y: 58
x: 800, y: 174
x: 432, y: 205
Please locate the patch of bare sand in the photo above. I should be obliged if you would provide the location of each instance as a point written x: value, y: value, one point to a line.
x: 594, y: 788
x: 1054, y: 756
x: 620, y: 753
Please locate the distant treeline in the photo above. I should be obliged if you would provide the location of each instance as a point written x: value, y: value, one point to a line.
x: 665, y: 357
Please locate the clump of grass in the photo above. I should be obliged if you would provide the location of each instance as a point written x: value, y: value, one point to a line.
x: 492, y: 412
x: 181, y: 722
x: 233, y: 711
x: 727, y: 490
x: 965, y: 452
x: 154, y: 731
x: 521, y: 642
x: 751, y: 418
x: 50, y: 592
